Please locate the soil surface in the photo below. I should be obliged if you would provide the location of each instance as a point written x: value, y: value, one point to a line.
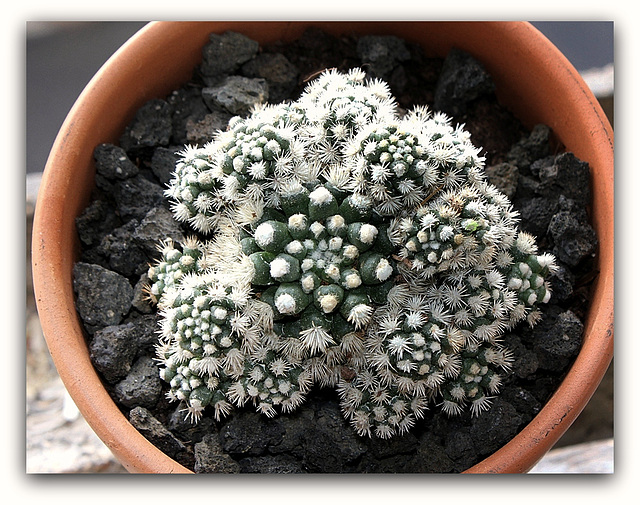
x: 128, y: 215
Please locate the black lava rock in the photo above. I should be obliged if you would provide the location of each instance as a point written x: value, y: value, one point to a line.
x: 141, y: 387
x: 136, y: 197
x: 317, y: 50
x: 525, y: 360
x: 460, y: 449
x: 562, y: 282
x: 462, y: 80
x: 141, y: 301
x: 334, y: 445
x: 103, y: 297
x: 384, y: 448
x: 279, y: 73
x: 154, y: 431
x: 113, y: 163
x: 557, y: 340
x: 575, y: 240
x: 96, y: 221
x: 381, y: 54
x: 158, y: 222
x: 249, y: 433
x: 504, y: 176
x: 495, y: 427
x: 224, y: 54
x: 236, y: 94
x: 295, y: 429
x: 271, y: 464
x: 210, y: 458
x: 431, y: 457
x: 187, y: 105
x: 530, y: 148
x: 151, y: 127
x: 163, y: 163
x: 567, y: 176
x: 536, y: 214
x: 145, y: 337
x: 200, y: 132
x: 111, y: 351
x: 125, y: 256
x: 524, y: 402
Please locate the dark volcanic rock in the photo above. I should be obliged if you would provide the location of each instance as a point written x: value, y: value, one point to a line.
x: 151, y: 127
x: 96, y: 221
x: 210, y: 458
x: 562, y: 282
x: 103, y: 296
x: 564, y: 175
x: 136, y: 197
x: 575, y: 240
x: 460, y: 449
x: 462, y: 80
x: 317, y: 50
x: 140, y: 300
x: 504, y: 176
x: 557, y: 339
x: 524, y: 402
x: 163, y: 163
x: 271, y: 464
x: 430, y: 457
x: 111, y: 351
x: 125, y: 255
x: 141, y: 387
x: 530, y: 148
x: 236, y: 94
x: 158, y: 222
x: 187, y: 105
x: 536, y: 214
x: 495, y: 427
x: 333, y: 444
x: 202, y: 131
x: 525, y: 360
x: 279, y: 73
x: 249, y: 433
x: 224, y: 54
x: 154, y: 431
x: 145, y: 337
x: 112, y: 162
x: 380, y: 54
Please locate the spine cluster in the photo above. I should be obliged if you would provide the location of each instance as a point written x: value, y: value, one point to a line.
x: 342, y: 244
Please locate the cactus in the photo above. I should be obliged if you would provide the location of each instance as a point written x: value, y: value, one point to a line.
x: 342, y: 244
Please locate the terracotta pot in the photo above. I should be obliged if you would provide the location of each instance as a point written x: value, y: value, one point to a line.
x: 533, y: 79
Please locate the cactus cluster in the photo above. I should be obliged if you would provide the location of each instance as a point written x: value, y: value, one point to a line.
x: 342, y: 243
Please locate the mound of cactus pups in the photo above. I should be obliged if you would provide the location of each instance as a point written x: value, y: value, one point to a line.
x: 340, y: 242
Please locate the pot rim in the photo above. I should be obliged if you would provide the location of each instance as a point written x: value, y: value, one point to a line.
x: 553, y: 80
